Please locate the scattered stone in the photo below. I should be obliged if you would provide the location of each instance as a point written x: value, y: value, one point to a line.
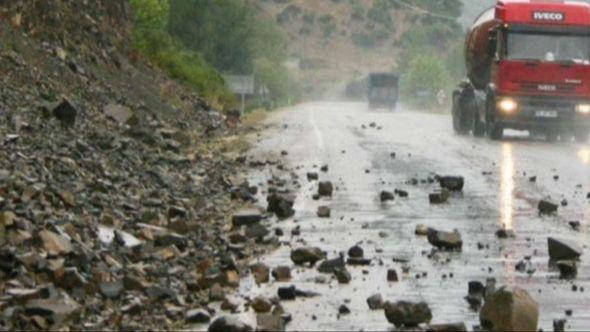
x: 356, y: 252
x: 257, y: 232
x: 324, y: 168
x: 386, y: 196
x: 342, y: 275
x: 455, y: 327
x: 330, y: 265
x: 559, y: 325
x: 325, y: 189
x: 343, y: 310
x: 375, y: 302
x: 358, y: 261
x: 505, y: 234
x: 281, y: 205
x: 55, y: 244
x: 568, y: 269
x: 66, y: 113
x: 281, y: 273
x: 546, y: 207
x: 269, y: 323
x: 56, y: 310
x: 407, y: 314
x: 575, y: 225
x: 111, y: 289
x: 119, y: 113
x: 216, y: 293
x: 392, y: 275
x: 445, y: 240
x: 439, y: 197
x: 510, y: 309
x: 324, y: 212
x: 402, y: 193
x: 228, y: 324
x: 260, y: 272
x: 261, y: 304
x: 452, y: 183
x: 246, y: 217
x: 562, y: 250
x: 287, y: 293
x: 307, y: 255
x: 197, y: 316
x: 313, y: 176
x: 421, y: 230
x: 229, y: 305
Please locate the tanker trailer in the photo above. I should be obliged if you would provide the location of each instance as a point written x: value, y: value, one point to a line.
x: 528, y: 68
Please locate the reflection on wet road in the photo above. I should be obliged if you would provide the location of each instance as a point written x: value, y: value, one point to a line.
x: 498, y: 194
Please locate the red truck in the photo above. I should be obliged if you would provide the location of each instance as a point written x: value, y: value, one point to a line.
x: 528, y: 68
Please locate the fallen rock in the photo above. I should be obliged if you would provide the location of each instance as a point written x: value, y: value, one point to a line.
x: 325, y: 189
x: 421, y: 230
x: 119, y: 113
x: 246, y: 217
x: 392, y: 275
x: 312, y: 176
x: 568, y: 269
x: 281, y: 273
x: 476, y: 294
x: 505, y: 234
x: 287, y: 293
x: 546, y: 207
x: 407, y: 314
x: 356, y: 252
x: 324, y: 212
x: 439, y: 197
x: 343, y: 310
x: 342, y: 275
x: 445, y: 240
x: 375, y: 302
x: 307, y: 255
x: 55, y: 244
x: 228, y: 324
x: 260, y: 272
x: 451, y: 183
x: 559, y: 325
x: 197, y: 316
x: 66, y: 113
x: 455, y: 327
x: 509, y: 309
x: 329, y: 265
x: 257, y: 232
x: 216, y: 293
x: 261, y: 304
x: 281, y: 205
x: 562, y: 250
x: 401, y: 193
x: 269, y: 323
x: 56, y: 310
x: 386, y: 196
x: 111, y: 289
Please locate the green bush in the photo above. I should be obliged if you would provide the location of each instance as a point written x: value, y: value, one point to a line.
x: 425, y: 77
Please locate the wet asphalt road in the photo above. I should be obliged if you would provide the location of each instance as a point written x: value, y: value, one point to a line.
x: 424, y: 144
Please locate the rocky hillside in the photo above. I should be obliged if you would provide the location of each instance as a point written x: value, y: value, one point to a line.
x: 114, y: 181
x: 338, y: 40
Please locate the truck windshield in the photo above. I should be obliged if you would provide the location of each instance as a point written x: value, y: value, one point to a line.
x: 548, y: 47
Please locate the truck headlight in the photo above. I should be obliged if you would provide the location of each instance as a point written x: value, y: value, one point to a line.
x: 583, y: 108
x: 507, y: 105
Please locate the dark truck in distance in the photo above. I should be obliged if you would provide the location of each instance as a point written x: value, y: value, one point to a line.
x: 528, y: 68
x: 383, y: 90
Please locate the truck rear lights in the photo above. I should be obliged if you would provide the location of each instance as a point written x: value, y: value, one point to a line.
x: 583, y: 108
x: 507, y: 105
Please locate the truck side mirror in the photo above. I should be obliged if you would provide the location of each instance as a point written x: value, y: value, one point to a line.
x: 492, y: 43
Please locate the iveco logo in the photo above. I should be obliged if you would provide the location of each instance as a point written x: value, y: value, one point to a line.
x: 548, y: 16
x: 546, y: 87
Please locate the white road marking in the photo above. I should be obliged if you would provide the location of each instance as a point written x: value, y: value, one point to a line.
x: 318, y: 133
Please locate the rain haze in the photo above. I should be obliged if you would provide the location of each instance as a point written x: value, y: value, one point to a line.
x: 295, y: 165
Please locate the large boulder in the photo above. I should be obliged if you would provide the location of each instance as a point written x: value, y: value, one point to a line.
x: 307, y: 255
x: 510, y: 309
x: 560, y: 249
x: 452, y: 183
x: 407, y: 314
x: 445, y: 240
x: 229, y: 324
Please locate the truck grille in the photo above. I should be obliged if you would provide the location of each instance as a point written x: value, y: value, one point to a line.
x: 547, y: 88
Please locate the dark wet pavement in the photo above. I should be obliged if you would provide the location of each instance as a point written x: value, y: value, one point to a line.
x: 497, y: 194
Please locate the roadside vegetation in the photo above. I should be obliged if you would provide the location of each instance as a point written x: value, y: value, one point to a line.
x: 197, y: 40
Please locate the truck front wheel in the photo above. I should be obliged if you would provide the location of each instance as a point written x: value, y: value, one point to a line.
x: 495, y: 131
x: 460, y: 116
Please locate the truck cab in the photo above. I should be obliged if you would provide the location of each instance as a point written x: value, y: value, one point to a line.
x: 533, y: 72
